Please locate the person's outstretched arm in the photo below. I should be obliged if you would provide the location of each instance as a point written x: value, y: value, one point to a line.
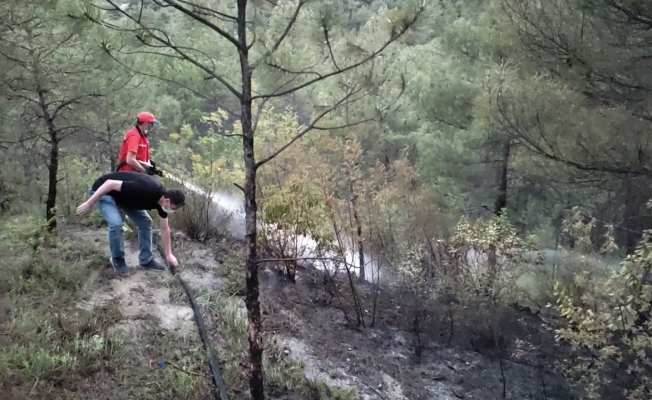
x: 108, y: 186
x: 167, y: 242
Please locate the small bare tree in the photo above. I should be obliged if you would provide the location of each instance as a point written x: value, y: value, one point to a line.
x: 235, y: 27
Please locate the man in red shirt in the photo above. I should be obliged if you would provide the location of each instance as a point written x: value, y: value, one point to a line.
x: 135, y: 145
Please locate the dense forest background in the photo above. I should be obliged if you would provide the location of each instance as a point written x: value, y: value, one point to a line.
x: 506, y: 105
x: 413, y: 125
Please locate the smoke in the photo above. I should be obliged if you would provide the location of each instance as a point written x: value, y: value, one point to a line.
x: 230, y: 209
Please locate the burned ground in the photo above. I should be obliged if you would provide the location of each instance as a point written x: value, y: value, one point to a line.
x: 312, y: 350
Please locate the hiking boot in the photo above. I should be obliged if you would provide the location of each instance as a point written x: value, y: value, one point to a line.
x: 120, y: 266
x: 154, y: 266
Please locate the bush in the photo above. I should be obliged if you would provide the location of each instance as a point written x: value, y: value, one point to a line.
x: 290, y: 226
x: 77, y: 175
x: 201, y: 218
x: 609, y: 325
x: 205, y: 215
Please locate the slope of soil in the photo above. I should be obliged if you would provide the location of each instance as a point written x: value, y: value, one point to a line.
x: 74, y: 329
x: 145, y: 294
x: 304, y: 323
x: 312, y: 350
x: 379, y: 362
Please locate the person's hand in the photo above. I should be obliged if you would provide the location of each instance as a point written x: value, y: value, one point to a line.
x: 84, y: 209
x: 172, y: 260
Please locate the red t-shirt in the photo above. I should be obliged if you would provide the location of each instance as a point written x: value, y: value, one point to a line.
x: 135, y: 142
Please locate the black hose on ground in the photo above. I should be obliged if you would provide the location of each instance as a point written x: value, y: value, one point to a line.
x: 218, y: 381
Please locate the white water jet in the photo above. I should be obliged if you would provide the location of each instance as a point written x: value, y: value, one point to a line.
x: 305, y: 248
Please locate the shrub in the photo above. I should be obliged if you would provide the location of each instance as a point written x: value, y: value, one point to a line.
x: 609, y: 326
x: 290, y: 226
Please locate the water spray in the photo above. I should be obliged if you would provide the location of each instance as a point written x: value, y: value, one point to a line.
x: 307, y: 248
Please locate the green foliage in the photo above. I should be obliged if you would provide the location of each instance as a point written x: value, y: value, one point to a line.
x: 566, y: 84
x: 49, y: 339
x: 495, y: 251
x: 608, y: 322
x: 47, y: 354
x: 289, y: 214
x: 281, y: 207
x: 77, y: 176
x: 234, y: 273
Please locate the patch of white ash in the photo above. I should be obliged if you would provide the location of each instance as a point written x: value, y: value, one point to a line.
x: 137, y: 296
x: 337, y: 377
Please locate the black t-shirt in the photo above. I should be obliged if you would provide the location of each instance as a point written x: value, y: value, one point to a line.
x: 139, y: 191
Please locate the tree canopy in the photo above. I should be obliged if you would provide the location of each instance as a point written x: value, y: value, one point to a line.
x: 385, y: 121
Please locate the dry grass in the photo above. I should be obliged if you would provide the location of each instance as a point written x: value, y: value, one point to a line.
x: 51, y: 348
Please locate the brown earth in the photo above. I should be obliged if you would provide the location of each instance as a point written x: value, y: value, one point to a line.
x: 157, y: 324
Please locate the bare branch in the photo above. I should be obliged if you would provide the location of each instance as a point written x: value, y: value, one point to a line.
x: 13, y: 59
x: 253, y: 23
x: 239, y: 187
x: 172, y: 81
x: 308, y: 128
x: 291, y: 72
x: 512, y: 127
x: 330, y: 48
x: 20, y: 96
x: 636, y: 15
x: 364, y: 121
x: 167, y: 42
x: 197, y: 17
x: 337, y: 259
x: 349, y: 125
x: 220, y: 15
x: 68, y: 102
x: 22, y: 140
x: 265, y: 100
x: 408, y: 24
x: 286, y: 31
x: 68, y: 131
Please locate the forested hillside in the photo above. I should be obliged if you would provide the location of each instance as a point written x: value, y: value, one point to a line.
x: 474, y: 174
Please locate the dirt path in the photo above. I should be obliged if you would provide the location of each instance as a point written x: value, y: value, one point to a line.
x: 148, y: 294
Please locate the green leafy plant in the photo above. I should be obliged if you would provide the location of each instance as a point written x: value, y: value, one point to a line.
x: 609, y: 326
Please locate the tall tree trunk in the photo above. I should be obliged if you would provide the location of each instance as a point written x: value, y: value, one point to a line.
x: 53, y: 171
x: 109, y: 135
x: 256, y: 382
x: 53, y: 164
x: 634, y: 197
x: 501, y: 198
x: 358, y: 226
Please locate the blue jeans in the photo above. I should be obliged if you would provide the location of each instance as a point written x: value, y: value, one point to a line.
x: 113, y: 216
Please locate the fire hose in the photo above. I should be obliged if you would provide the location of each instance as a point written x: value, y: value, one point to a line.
x: 150, y: 168
x: 218, y: 381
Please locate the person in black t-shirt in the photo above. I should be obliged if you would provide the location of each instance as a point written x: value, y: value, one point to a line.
x: 134, y: 193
